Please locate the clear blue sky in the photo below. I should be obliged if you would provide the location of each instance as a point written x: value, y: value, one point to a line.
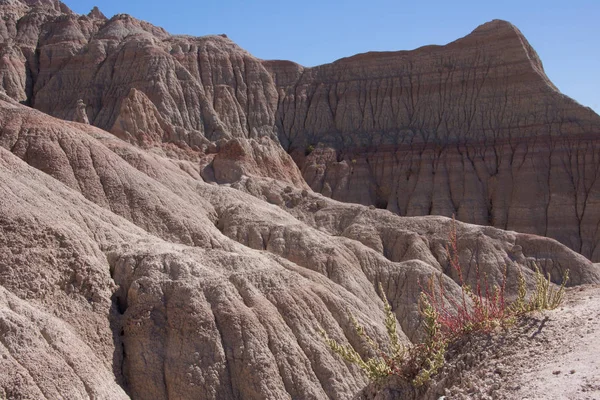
x: 566, y: 34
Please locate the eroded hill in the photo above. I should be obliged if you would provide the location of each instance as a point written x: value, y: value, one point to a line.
x: 473, y: 128
x: 165, y: 245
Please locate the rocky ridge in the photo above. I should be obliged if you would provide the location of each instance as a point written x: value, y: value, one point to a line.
x: 170, y: 247
x: 473, y: 128
x: 125, y: 261
x: 183, y: 288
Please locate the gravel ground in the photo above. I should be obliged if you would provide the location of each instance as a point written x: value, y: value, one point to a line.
x: 547, y: 355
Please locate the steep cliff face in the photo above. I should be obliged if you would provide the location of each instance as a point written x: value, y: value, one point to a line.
x: 202, y: 87
x: 472, y: 128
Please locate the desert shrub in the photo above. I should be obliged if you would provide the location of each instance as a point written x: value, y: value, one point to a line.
x: 485, y: 308
x: 544, y: 297
x: 479, y: 309
x: 414, y: 363
x: 447, y: 320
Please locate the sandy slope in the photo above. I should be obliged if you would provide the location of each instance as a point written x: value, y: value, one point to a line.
x: 550, y: 355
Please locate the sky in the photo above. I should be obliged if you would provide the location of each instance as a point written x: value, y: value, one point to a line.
x: 566, y: 34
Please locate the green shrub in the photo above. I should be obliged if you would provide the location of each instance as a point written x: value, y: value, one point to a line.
x: 544, y: 297
x: 415, y: 363
x: 446, y: 321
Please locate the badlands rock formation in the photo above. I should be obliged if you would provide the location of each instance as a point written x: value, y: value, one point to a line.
x: 473, y: 128
x: 169, y: 247
x: 124, y: 273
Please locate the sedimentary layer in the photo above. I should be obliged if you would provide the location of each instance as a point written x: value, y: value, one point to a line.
x: 169, y: 215
x: 125, y: 268
x: 473, y: 128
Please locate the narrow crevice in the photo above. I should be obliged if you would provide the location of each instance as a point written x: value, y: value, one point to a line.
x: 117, y: 322
x: 228, y: 386
x: 119, y: 353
